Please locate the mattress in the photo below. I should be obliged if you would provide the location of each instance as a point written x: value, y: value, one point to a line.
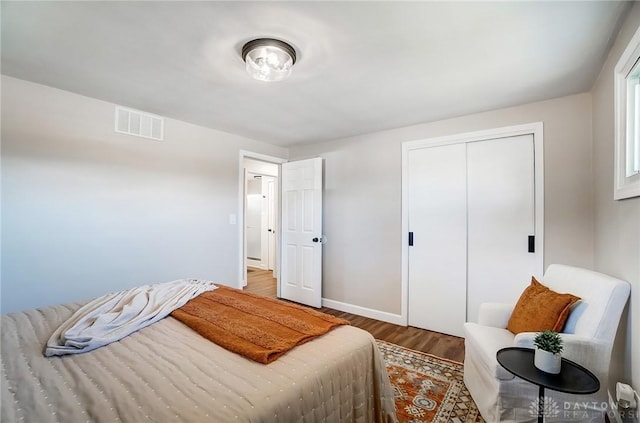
x: 167, y: 372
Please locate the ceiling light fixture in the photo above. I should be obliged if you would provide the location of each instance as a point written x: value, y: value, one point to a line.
x: 268, y: 59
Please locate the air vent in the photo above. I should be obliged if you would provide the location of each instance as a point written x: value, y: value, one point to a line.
x: 139, y: 124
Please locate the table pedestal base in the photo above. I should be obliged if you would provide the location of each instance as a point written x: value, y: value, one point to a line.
x: 540, y: 404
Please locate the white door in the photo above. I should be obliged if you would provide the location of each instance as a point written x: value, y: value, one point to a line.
x: 264, y: 223
x: 254, y: 219
x: 260, y: 218
x: 438, y: 222
x: 501, y: 217
x: 301, y: 266
x: 272, y: 226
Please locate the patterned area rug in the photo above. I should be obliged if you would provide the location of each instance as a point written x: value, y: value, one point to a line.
x: 427, y: 388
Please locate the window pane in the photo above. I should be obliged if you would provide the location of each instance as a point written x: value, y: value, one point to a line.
x: 633, y: 149
x: 631, y: 162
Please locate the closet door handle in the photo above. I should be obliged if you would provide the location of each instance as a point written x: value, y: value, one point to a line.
x: 532, y: 243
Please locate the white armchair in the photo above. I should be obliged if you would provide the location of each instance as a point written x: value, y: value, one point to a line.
x: 588, y: 338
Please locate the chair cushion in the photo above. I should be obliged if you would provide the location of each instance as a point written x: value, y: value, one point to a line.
x: 482, y: 343
x: 540, y: 308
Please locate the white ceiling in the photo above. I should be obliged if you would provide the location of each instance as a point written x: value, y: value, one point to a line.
x: 362, y: 66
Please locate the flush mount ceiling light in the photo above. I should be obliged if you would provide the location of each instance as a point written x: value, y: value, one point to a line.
x: 268, y: 59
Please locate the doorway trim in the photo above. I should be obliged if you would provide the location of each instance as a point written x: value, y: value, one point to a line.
x: 536, y: 129
x: 242, y: 257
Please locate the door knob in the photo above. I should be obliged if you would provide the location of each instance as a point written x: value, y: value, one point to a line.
x: 315, y: 239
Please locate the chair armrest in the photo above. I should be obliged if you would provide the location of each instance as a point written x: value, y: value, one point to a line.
x: 588, y: 352
x: 524, y: 339
x: 494, y: 314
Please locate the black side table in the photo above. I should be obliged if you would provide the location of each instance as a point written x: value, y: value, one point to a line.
x: 572, y: 379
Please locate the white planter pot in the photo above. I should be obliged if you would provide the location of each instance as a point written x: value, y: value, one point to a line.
x: 547, y: 362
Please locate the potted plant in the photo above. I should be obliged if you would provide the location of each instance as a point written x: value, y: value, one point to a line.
x: 547, y: 357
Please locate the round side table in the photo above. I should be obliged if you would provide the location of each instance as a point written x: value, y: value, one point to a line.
x: 572, y: 379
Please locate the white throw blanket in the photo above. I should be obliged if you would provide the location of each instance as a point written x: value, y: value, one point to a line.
x: 113, y: 316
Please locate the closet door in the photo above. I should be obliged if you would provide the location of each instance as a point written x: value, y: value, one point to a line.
x: 438, y: 221
x: 501, y: 217
x: 471, y: 210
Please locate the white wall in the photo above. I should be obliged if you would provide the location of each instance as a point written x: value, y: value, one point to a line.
x: 617, y: 223
x: 362, y: 264
x: 87, y: 211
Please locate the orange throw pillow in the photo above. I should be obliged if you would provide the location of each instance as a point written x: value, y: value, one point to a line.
x: 540, y: 308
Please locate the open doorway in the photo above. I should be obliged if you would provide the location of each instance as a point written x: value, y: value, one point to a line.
x: 298, y: 224
x: 261, y: 223
x: 260, y: 217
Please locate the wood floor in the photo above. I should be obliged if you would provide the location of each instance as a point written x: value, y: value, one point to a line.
x: 446, y: 346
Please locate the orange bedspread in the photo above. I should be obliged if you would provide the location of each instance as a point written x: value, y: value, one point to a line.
x: 254, y: 326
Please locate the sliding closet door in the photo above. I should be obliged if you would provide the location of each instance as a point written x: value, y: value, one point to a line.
x: 438, y: 222
x: 471, y: 213
x: 501, y: 205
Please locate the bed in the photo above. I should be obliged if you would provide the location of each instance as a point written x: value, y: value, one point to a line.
x: 167, y: 372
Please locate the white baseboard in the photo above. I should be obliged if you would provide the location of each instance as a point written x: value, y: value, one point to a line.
x: 258, y: 264
x: 384, y: 316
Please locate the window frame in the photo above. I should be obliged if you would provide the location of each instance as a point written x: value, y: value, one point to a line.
x: 627, y: 134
